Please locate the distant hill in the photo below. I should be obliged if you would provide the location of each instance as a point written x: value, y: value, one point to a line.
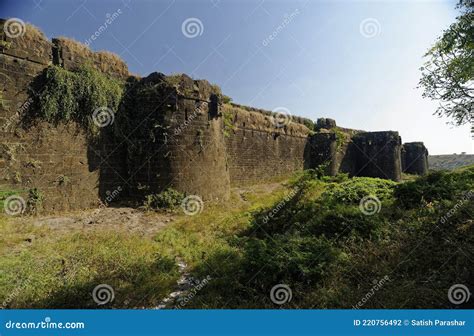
x: 451, y: 161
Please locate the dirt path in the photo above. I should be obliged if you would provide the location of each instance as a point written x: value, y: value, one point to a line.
x: 124, y: 218
x: 120, y: 218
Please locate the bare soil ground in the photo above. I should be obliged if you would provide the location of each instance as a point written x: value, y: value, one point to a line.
x: 116, y: 218
x: 125, y: 218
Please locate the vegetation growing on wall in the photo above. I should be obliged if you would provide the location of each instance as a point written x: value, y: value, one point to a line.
x: 74, y: 96
x: 341, y: 138
x: 228, y: 118
x: 34, y: 204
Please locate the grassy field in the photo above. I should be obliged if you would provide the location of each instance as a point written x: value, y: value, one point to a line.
x: 334, y: 242
x: 42, y: 267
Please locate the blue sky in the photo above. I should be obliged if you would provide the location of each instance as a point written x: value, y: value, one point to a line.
x: 354, y: 61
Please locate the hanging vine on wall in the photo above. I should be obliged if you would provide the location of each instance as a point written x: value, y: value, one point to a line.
x: 74, y: 95
x: 341, y: 138
x: 229, y: 127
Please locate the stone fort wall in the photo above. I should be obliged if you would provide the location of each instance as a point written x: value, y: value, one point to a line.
x: 259, y: 151
x: 199, y: 146
x: 70, y: 172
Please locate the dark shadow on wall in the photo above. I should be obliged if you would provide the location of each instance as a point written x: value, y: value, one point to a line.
x: 108, y: 156
x: 371, y: 154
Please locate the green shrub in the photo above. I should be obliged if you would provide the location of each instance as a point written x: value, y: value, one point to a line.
x: 353, y: 190
x: 322, y: 170
x: 74, y: 95
x: 287, y: 259
x: 34, y: 204
x: 228, y: 118
x: 344, y: 221
x: 341, y: 138
x: 168, y: 199
x: 318, y: 173
x: 435, y: 186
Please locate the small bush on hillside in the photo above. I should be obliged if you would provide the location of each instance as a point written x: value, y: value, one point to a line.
x: 320, y: 173
x: 288, y: 259
x: 168, y: 199
x: 343, y: 221
x: 35, y: 200
x: 339, y: 178
x: 353, y: 190
x: 435, y: 186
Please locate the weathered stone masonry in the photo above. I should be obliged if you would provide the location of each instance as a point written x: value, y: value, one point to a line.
x: 414, y: 158
x: 193, y: 150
